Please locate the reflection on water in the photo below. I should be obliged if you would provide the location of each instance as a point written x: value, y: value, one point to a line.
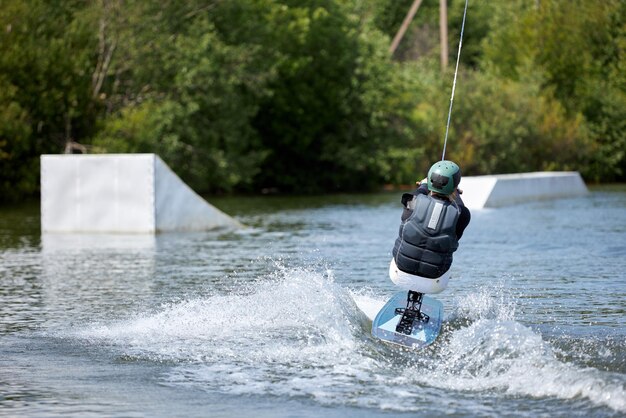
x: 83, y: 244
x: 535, y: 322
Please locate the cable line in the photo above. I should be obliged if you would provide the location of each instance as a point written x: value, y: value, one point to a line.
x: 456, y: 70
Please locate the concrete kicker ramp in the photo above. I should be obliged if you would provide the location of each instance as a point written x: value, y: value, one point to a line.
x: 121, y: 193
x: 508, y: 189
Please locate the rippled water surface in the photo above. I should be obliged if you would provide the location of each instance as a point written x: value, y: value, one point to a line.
x: 265, y: 321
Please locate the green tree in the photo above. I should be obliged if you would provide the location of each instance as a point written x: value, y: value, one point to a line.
x: 506, y: 126
x: 199, y: 121
x: 578, y: 47
x: 46, y: 80
x: 332, y: 110
x: 18, y: 167
x: 303, y: 96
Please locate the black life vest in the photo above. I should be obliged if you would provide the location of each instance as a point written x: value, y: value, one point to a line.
x: 427, y: 238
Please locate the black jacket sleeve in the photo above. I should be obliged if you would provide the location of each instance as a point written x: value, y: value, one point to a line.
x: 464, y: 220
x: 407, y: 197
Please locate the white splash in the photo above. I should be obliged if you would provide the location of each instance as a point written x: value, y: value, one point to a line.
x: 299, y: 334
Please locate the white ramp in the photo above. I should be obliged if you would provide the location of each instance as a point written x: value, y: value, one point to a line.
x: 121, y: 193
x: 508, y: 189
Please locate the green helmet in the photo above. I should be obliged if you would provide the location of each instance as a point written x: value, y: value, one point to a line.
x: 444, y: 177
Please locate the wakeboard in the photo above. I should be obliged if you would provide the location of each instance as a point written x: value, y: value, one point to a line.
x: 418, y: 334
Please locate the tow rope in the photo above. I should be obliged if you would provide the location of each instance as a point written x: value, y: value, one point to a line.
x: 456, y: 70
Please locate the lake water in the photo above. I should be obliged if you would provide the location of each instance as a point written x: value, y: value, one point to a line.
x: 264, y: 321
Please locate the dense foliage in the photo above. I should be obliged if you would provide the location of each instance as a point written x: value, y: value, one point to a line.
x: 303, y: 95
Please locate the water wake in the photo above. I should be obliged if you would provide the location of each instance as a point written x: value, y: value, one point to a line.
x: 494, y: 352
x: 299, y: 334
